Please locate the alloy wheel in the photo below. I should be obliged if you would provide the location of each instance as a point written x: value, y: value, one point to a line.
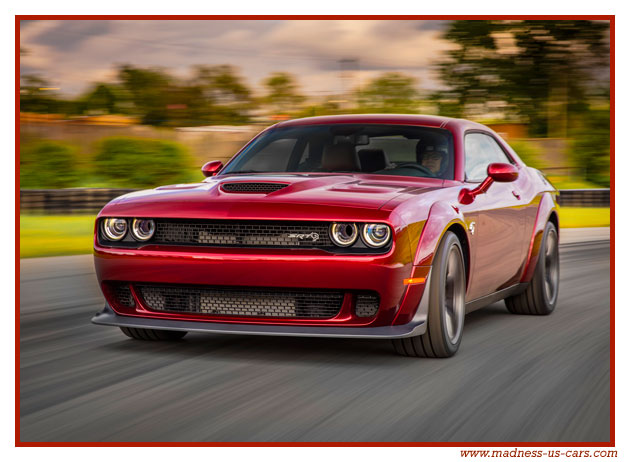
x: 552, y: 266
x: 454, y: 296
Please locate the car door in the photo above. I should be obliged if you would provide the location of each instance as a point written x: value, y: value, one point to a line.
x: 500, y: 220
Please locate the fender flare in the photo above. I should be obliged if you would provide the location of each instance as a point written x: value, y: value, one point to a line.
x: 441, y: 217
x: 547, y: 210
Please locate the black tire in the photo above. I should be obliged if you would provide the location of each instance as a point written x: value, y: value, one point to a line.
x: 153, y: 334
x: 541, y: 295
x: 447, y: 305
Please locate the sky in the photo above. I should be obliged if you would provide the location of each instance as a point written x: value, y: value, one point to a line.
x: 74, y: 54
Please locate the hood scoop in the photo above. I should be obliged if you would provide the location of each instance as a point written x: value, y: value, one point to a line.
x: 251, y: 187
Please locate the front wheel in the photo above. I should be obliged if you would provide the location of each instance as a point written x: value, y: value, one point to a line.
x: 541, y: 295
x: 447, y: 305
x: 152, y: 334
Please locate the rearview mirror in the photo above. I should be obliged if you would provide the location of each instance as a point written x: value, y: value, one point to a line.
x: 212, y: 168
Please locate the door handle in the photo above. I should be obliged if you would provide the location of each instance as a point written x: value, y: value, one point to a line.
x: 517, y: 195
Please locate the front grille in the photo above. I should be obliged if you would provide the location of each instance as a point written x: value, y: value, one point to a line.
x: 222, y: 301
x: 262, y: 188
x: 242, y: 233
x: 367, y: 305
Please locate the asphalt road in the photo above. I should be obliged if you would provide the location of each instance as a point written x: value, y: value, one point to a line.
x: 515, y: 378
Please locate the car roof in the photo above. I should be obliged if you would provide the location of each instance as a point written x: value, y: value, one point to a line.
x: 393, y: 119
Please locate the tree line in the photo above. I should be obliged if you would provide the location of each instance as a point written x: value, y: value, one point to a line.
x: 213, y: 95
x: 544, y: 73
x: 553, y: 76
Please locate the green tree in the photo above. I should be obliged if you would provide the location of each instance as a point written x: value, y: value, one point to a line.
x: 590, y: 147
x: 48, y: 164
x: 325, y: 108
x: 103, y: 97
x: 391, y: 92
x: 36, y: 96
x: 215, y: 94
x: 221, y: 84
x: 225, y: 98
x: 282, y: 92
x: 148, y: 90
x: 529, y: 153
x: 136, y: 162
x: 542, y: 72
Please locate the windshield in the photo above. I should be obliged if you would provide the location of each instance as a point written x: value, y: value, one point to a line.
x: 375, y: 149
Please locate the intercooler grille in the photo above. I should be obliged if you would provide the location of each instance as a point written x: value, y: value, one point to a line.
x: 242, y: 233
x: 263, y: 188
x: 237, y: 302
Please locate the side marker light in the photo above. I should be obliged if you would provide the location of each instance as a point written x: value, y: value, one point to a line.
x: 415, y: 281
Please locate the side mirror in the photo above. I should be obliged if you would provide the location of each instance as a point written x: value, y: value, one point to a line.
x: 501, y: 173
x: 212, y: 168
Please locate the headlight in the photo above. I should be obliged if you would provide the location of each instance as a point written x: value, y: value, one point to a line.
x: 344, y: 234
x: 115, y: 228
x: 376, y: 234
x: 142, y: 229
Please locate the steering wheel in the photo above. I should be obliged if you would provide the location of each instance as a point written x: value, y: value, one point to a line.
x: 417, y: 167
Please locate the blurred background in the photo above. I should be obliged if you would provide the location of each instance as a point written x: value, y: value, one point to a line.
x: 111, y: 106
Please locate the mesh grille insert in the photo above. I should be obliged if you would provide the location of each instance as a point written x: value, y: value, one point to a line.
x: 263, y: 188
x: 243, y: 233
x: 222, y: 301
x: 367, y: 305
x: 123, y: 295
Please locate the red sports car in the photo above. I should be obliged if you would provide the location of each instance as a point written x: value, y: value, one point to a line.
x: 371, y: 226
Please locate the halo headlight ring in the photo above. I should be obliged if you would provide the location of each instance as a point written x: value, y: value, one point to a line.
x: 114, y: 229
x: 142, y: 229
x: 344, y: 234
x: 376, y: 235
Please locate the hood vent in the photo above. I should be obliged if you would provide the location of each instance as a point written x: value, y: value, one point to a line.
x: 257, y: 188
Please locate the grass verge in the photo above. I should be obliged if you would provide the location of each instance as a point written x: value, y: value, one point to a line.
x: 584, y: 217
x: 53, y: 235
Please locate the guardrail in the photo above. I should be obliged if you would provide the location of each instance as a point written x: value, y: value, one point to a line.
x: 91, y: 200
x: 67, y: 201
x: 584, y: 198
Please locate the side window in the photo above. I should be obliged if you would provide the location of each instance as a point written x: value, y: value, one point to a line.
x: 272, y: 158
x: 481, y: 150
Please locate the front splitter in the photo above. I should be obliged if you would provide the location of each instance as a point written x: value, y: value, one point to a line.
x: 107, y: 317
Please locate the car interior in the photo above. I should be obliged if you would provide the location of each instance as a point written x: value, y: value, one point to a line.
x: 376, y: 149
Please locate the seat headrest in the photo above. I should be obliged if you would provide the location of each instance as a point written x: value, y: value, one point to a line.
x: 340, y: 157
x: 373, y: 160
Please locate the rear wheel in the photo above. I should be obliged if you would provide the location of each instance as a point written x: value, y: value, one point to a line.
x: 153, y: 334
x: 541, y: 295
x: 447, y: 305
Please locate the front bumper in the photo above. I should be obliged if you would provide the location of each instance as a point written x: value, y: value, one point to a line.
x: 417, y: 326
x: 282, y: 269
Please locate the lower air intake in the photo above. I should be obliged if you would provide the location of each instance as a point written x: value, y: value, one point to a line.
x: 367, y: 305
x: 238, y: 302
x: 123, y: 295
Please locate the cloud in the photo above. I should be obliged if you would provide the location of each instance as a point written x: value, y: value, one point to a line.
x: 74, y: 54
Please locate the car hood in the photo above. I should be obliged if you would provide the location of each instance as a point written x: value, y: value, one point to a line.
x: 305, y: 195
